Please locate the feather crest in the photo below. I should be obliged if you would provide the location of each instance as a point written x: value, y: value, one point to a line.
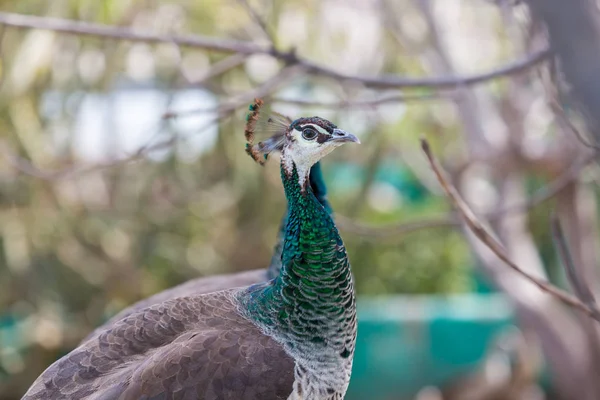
x: 272, y: 123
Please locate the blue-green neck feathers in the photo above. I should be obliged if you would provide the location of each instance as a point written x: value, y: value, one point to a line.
x: 317, y: 184
x: 310, y: 306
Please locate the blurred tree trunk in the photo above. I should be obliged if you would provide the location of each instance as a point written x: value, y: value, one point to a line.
x: 574, y: 30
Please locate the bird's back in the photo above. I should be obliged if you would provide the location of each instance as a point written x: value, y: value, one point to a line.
x: 197, y: 347
x: 207, y: 284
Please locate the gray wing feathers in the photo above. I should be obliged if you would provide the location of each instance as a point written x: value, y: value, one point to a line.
x: 195, y: 347
x: 194, y: 287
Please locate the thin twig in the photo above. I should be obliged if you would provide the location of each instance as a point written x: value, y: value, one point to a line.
x: 258, y: 20
x: 221, y: 67
x: 486, y: 237
x: 114, y: 32
x: 550, y: 190
x: 397, y: 98
x: 575, y: 273
x: 224, y: 111
x: 290, y: 58
x: 540, y: 196
x: 4, y: 71
x: 553, y: 95
x: 466, y: 104
x: 443, y: 82
x: 370, y: 232
x: 560, y: 113
x: 262, y: 91
x: 28, y: 168
x: 578, y: 283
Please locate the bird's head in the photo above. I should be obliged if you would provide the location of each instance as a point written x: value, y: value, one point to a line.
x: 307, y: 140
x: 302, y: 142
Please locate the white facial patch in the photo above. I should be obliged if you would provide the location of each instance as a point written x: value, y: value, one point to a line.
x: 305, y: 153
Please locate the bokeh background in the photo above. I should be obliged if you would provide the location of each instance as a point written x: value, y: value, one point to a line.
x: 123, y: 173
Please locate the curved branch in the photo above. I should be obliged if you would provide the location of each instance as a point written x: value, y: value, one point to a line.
x: 578, y: 282
x: 337, y: 105
x: 370, y: 232
x: 442, y: 82
x: 114, y: 32
x: 541, y: 195
x: 367, y: 103
x: 290, y: 58
x: 487, y: 238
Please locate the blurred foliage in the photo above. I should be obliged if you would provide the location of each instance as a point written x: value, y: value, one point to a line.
x: 75, y: 250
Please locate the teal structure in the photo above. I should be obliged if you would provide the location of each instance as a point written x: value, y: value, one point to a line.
x: 408, y: 342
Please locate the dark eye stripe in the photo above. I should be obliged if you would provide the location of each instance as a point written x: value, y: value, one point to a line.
x: 322, y: 138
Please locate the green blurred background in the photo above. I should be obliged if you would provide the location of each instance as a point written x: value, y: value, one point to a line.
x: 89, y: 223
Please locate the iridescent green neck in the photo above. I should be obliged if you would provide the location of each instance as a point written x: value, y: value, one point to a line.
x: 310, y: 306
x: 317, y: 184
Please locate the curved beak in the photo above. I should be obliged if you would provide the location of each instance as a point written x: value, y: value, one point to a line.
x: 342, y: 136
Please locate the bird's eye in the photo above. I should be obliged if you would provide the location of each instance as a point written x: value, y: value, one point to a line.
x: 309, y: 134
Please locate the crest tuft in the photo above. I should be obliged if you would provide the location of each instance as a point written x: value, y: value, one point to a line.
x: 273, y: 123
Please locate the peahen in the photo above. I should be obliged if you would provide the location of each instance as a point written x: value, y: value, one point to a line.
x: 291, y: 337
x: 225, y: 281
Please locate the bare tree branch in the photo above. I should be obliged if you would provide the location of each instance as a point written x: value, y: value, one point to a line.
x: 554, y: 97
x: 393, y: 230
x: 28, y: 168
x: 578, y: 283
x: 219, y: 68
x: 550, y: 190
x: 221, y: 112
x: 466, y: 104
x: 574, y: 31
x: 2, y: 34
x: 396, y: 98
x: 290, y: 58
x: 345, y: 223
x: 579, y: 266
x: 486, y: 237
x: 245, y: 98
x: 113, y: 32
x: 540, y: 196
x: 258, y: 19
x: 444, y: 82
